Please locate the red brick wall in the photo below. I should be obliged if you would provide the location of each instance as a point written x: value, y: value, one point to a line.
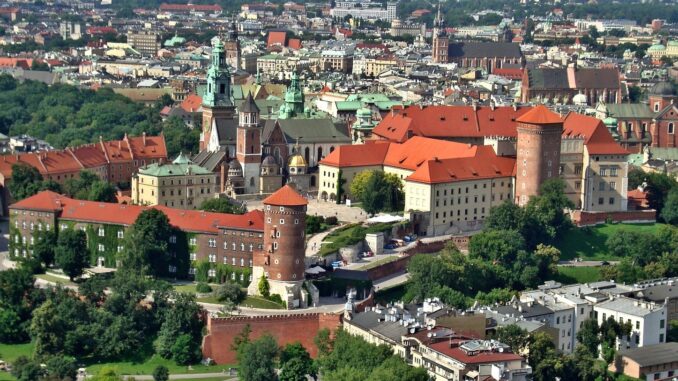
x: 284, y: 328
x: 592, y: 218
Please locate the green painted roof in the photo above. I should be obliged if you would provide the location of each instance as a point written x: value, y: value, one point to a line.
x: 656, y: 47
x: 664, y: 153
x: 348, y: 105
x: 630, y: 111
x: 387, y: 105
x: 635, y: 159
x: 610, y: 121
x: 272, y: 57
x: 182, y: 165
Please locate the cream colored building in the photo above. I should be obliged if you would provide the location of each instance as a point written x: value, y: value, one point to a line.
x: 181, y: 184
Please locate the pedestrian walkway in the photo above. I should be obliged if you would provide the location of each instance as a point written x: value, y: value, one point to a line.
x: 314, y: 243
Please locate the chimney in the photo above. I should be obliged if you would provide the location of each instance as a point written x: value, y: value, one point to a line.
x: 143, y: 137
x: 222, y: 180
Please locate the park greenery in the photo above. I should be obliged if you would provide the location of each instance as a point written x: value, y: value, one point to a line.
x: 662, y: 192
x: 348, y: 235
x: 378, y: 191
x: 513, y: 252
x: 67, y: 116
x: 27, y: 181
x: 222, y: 205
x: 595, y: 342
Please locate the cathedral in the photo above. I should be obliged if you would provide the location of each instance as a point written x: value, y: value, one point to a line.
x: 257, y: 156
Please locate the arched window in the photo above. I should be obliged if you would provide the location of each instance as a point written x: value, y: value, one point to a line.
x: 251, y: 181
x: 320, y: 153
x: 671, y: 128
x: 307, y: 154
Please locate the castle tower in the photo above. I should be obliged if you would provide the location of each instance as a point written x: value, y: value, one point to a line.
x: 537, y: 151
x: 216, y: 101
x: 248, y: 144
x: 232, y: 47
x: 441, y: 41
x: 294, y: 100
x: 282, y: 259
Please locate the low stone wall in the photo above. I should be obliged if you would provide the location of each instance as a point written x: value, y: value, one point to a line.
x: 285, y: 329
x: 583, y: 218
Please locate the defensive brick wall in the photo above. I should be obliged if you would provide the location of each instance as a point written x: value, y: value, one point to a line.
x: 594, y: 218
x: 284, y: 328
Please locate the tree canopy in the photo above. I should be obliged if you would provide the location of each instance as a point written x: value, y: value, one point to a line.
x: 222, y: 205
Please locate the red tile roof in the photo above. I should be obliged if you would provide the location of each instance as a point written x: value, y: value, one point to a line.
x: 357, y: 155
x: 88, y: 156
x: 480, y: 358
x: 484, y: 165
x: 540, y: 115
x: 277, y: 38
x: 415, y: 151
x: 101, y: 30
x: 192, y: 103
x: 511, y: 73
x: 286, y: 196
x: 120, y: 214
x: 597, y: 137
x: 294, y: 43
x: 449, y: 121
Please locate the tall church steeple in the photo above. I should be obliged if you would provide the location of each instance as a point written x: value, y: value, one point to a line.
x: 217, y: 103
x: 439, y: 51
x: 294, y: 99
x: 218, y: 91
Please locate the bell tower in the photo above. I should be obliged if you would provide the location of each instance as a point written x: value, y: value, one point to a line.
x: 216, y: 101
x: 441, y: 41
x: 248, y: 145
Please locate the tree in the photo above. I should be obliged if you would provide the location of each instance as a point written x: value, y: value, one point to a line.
x: 102, y: 191
x: 257, y: 358
x: 160, y: 373
x: 499, y: 246
x: 222, y: 205
x: 295, y: 363
x: 11, y: 325
x: 505, y: 216
x: 25, y: 182
x: 146, y: 244
x: 62, y: 368
x: 670, y: 211
x: 588, y: 337
x: 513, y: 336
x: 230, y: 292
x: 185, y: 351
x: 264, y: 287
x: 359, y: 184
x: 542, y: 356
x: 394, y: 368
x: 323, y: 341
x: 43, y: 249
x: 71, y: 252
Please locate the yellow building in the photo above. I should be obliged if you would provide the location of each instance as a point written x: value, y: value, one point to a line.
x: 181, y: 184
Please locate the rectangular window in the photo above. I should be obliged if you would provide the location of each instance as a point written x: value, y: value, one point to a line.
x: 193, y: 256
x: 101, y: 247
x: 121, y: 234
x: 611, y: 201
x: 601, y: 186
x: 603, y: 171
x: 173, y: 239
x: 661, y: 324
x: 577, y: 169
x: 601, y: 201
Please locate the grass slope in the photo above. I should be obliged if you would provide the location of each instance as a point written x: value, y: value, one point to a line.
x: 589, y: 243
x: 579, y: 274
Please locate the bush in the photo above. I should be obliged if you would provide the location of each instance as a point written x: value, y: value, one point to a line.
x: 230, y: 292
x: 185, y: 350
x: 203, y: 288
x: 332, y: 220
x: 276, y: 299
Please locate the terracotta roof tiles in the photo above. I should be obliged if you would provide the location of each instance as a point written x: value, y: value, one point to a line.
x: 540, y: 115
x: 120, y: 214
x: 286, y: 196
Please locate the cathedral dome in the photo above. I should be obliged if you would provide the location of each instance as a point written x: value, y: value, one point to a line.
x: 297, y: 161
x: 663, y: 89
x: 269, y: 160
x: 234, y: 169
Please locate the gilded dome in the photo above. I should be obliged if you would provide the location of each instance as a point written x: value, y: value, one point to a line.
x: 297, y: 160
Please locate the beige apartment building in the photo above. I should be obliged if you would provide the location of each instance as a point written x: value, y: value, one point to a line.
x: 181, y: 184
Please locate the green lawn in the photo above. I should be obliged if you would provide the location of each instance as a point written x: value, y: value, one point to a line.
x: 10, y: 352
x: 147, y: 366
x: 589, y: 243
x: 257, y: 302
x: 579, y: 274
x: 349, y: 235
x: 391, y: 294
x: 55, y: 279
x: 378, y: 262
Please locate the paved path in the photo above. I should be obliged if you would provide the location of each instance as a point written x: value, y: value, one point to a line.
x: 314, y: 243
x: 195, y: 376
x: 391, y: 281
x: 586, y: 263
x: 324, y: 208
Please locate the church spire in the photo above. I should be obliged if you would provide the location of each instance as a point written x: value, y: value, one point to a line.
x: 294, y: 99
x: 218, y: 92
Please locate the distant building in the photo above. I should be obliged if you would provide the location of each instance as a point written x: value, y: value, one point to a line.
x: 364, y: 10
x: 70, y: 30
x: 180, y: 184
x: 146, y: 42
x: 654, y: 362
x: 560, y: 86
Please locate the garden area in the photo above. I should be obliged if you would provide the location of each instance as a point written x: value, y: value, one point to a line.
x: 589, y: 243
x: 228, y: 294
x: 350, y: 235
x: 578, y: 274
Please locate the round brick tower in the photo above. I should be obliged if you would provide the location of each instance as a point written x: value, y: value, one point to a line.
x: 537, y: 152
x: 282, y: 259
